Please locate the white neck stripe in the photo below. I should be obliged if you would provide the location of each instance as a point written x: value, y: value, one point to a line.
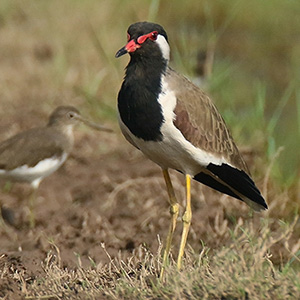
x: 164, y: 46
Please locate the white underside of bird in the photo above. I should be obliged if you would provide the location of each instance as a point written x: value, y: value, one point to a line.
x: 35, y: 174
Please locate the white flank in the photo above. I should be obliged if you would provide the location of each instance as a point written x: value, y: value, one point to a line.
x: 34, y: 174
x: 174, y: 151
x: 164, y: 46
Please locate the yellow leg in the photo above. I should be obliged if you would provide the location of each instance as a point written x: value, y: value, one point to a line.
x: 31, y: 208
x: 174, y: 210
x: 186, y: 219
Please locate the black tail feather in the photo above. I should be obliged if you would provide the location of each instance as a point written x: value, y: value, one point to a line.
x: 236, y: 183
x: 213, y: 183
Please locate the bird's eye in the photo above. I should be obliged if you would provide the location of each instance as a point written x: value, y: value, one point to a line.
x: 153, y: 35
x: 128, y: 37
x: 71, y: 115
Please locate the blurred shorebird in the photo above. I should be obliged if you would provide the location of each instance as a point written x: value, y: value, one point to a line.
x: 34, y: 154
x: 176, y: 125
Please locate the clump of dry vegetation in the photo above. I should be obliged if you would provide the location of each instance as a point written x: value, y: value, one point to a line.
x: 242, y: 270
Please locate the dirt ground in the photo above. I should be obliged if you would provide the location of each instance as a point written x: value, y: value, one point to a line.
x: 107, y: 194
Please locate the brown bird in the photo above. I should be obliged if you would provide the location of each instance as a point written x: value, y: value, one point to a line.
x: 177, y: 126
x: 34, y: 154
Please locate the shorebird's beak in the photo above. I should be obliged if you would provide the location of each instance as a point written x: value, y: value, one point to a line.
x: 121, y: 52
x: 94, y: 125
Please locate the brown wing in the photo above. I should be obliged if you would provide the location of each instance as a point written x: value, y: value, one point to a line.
x: 30, y: 147
x: 200, y: 122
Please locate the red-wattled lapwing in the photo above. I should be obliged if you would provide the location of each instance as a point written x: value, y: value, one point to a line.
x: 36, y: 153
x: 177, y: 126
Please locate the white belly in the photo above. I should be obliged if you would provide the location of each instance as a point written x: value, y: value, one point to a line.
x: 174, y: 151
x: 34, y: 174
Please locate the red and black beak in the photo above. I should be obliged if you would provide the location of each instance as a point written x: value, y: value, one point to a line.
x: 130, y: 47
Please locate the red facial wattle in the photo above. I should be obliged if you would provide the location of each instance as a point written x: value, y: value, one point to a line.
x: 152, y: 36
x: 132, y: 45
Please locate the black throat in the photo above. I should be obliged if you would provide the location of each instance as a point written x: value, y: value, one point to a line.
x: 137, y: 100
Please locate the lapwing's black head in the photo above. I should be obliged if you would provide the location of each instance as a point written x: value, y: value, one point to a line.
x: 145, y: 39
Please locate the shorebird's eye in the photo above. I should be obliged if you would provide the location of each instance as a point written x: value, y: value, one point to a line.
x: 153, y: 35
x: 128, y: 37
x: 71, y: 115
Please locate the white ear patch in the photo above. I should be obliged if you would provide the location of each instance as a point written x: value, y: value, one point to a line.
x: 164, y: 46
